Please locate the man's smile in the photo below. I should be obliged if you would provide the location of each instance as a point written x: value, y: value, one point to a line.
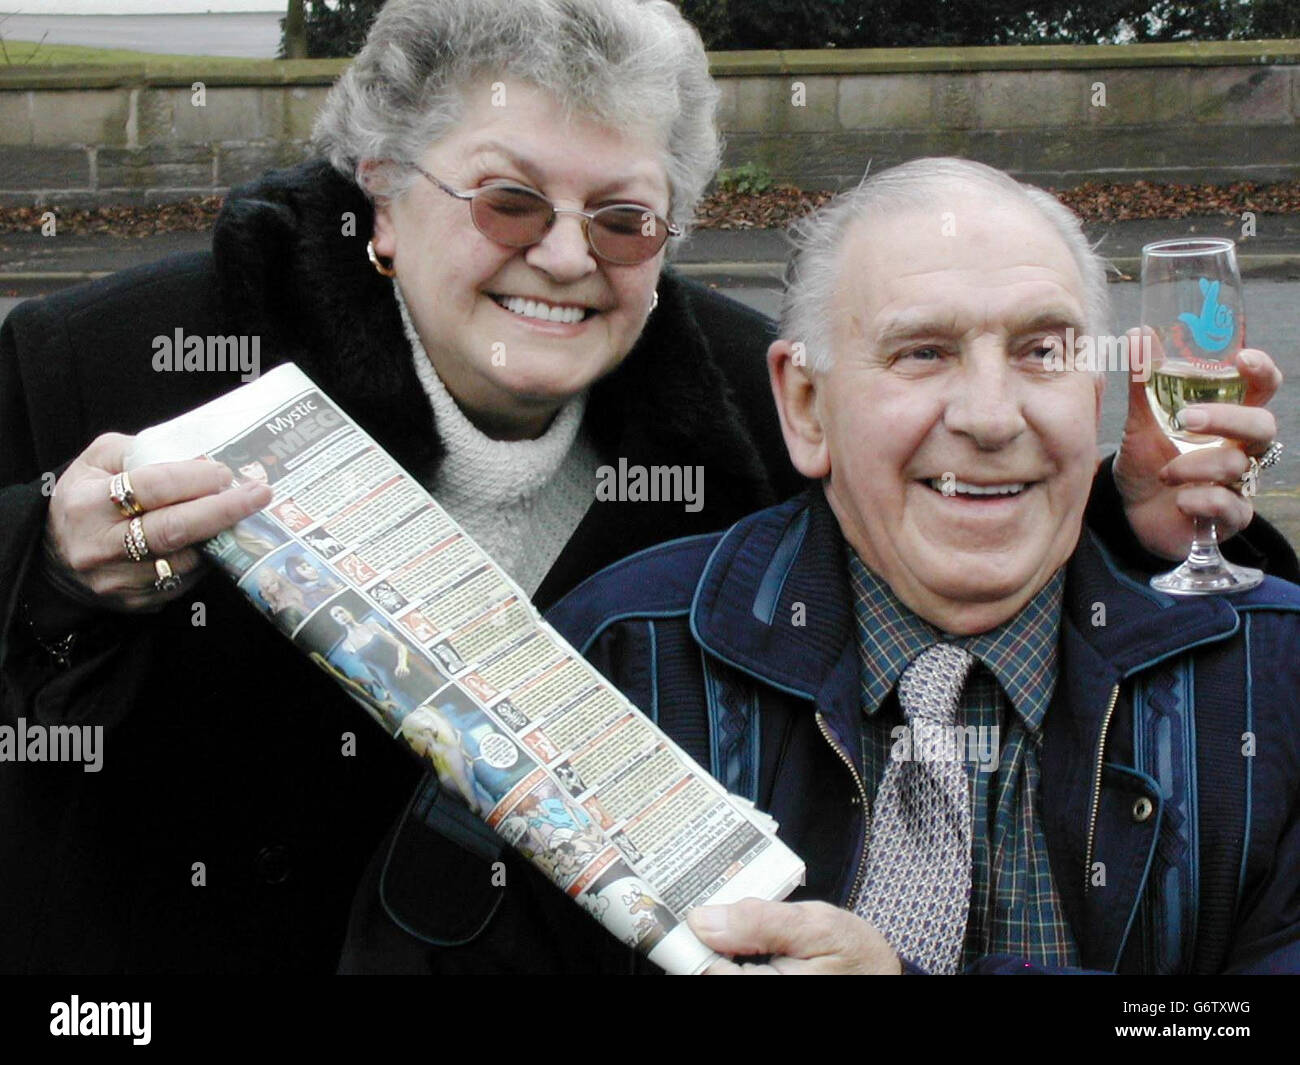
x: 951, y: 487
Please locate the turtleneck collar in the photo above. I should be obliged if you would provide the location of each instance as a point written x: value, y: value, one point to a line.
x: 474, y: 462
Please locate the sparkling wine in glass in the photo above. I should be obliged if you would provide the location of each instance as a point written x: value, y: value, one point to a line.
x: 1192, y: 303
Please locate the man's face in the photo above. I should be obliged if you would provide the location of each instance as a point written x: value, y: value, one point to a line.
x: 958, y: 466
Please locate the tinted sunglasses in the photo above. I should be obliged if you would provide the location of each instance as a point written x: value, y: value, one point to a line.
x: 519, y: 217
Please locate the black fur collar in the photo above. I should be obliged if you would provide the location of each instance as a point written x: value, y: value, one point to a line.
x: 292, y: 266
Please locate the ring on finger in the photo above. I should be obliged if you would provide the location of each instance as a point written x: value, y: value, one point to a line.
x: 133, y: 540
x: 1271, y: 455
x: 123, y: 496
x: 167, y: 580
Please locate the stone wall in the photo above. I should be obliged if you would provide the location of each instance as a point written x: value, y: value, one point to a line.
x: 117, y: 135
x: 1057, y: 115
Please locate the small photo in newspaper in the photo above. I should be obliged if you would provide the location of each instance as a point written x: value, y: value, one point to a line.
x: 239, y: 548
x: 358, y: 642
x: 470, y: 753
x: 290, y: 584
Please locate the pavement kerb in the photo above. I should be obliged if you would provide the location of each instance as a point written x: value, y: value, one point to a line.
x: 1268, y: 265
x: 1126, y: 268
x: 31, y: 276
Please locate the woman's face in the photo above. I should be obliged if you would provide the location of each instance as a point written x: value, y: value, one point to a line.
x: 510, y: 372
x: 306, y: 571
x: 342, y: 615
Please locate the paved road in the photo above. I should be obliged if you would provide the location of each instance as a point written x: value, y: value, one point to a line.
x: 248, y: 36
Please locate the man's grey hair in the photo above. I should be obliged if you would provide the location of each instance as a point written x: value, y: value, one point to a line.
x: 814, y: 272
x: 630, y: 64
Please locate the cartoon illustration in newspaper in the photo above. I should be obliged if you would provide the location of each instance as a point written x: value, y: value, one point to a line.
x: 552, y: 833
x: 617, y: 898
x: 322, y: 543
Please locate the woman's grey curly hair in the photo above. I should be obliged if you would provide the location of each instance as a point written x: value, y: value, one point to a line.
x: 630, y: 64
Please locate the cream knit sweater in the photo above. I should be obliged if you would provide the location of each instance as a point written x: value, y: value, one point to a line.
x: 520, y: 500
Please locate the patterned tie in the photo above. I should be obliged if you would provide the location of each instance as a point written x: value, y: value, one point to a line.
x: 918, y: 882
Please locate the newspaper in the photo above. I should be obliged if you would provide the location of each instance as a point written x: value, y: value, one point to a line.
x: 377, y: 584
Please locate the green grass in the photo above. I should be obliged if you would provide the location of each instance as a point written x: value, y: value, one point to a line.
x: 31, y: 53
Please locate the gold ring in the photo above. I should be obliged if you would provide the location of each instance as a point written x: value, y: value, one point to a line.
x: 121, y: 493
x: 137, y: 547
x: 167, y: 580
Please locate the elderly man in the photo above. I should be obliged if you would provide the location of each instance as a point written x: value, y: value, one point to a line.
x: 821, y: 656
x: 844, y: 656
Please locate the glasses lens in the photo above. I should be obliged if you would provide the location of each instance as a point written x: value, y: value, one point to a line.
x: 511, y: 215
x: 627, y: 234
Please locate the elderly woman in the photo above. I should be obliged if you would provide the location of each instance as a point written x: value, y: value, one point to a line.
x: 472, y: 266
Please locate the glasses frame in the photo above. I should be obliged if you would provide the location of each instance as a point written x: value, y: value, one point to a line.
x: 664, y: 226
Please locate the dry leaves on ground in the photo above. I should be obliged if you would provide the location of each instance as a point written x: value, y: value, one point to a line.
x: 119, y: 220
x: 1094, y: 201
x: 775, y: 208
x: 1097, y: 201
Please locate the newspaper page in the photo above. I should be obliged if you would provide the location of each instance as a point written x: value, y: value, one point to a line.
x: 358, y: 565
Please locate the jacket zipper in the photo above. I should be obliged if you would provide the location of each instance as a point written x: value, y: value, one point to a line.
x: 862, y: 796
x: 1096, y: 791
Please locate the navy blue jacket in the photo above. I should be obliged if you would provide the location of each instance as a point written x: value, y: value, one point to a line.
x: 1171, y: 755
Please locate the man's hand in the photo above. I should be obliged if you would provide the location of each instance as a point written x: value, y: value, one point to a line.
x: 1164, y: 491
x: 802, y: 937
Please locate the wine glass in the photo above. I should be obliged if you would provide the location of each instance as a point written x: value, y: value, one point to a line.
x: 1192, y: 304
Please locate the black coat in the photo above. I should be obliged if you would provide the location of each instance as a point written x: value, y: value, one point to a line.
x: 223, y: 745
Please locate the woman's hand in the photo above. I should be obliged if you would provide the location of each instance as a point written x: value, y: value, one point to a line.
x: 185, y: 503
x: 1163, y: 491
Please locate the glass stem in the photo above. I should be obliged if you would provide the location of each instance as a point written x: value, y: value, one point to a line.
x: 1204, y: 553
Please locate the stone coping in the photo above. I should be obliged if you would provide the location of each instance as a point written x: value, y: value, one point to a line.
x: 828, y: 61
x: 1004, y: 57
